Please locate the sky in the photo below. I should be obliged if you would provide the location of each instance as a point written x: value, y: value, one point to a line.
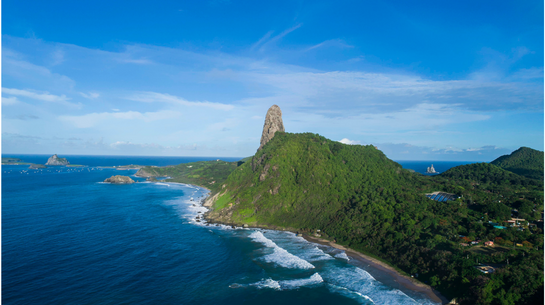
x: 421, y: 80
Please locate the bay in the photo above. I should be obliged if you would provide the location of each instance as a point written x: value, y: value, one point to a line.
x: 68, y: 238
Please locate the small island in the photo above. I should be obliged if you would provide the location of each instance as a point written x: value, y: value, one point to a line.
x: 55, y: 161
x: 431, y: 170
x: 13, y: 161
x: 118, y: 179
x: 37, y: 166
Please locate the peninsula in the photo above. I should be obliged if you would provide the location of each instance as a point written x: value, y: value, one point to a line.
x: 355, y: 197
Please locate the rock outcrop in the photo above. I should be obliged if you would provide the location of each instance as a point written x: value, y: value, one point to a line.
x: 55, y: 160
x: 37, y: 166
x: 273, y: 123
x: 118, y: 179
x: 144, y: 174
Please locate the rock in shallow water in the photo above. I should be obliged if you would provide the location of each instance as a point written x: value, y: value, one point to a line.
x: 55, y: 160
x: 119, y: 180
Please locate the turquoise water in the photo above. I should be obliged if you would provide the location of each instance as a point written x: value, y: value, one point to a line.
x: 68, y: 238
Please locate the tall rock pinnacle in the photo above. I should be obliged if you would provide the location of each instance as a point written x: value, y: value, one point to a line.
x: 273, y: 123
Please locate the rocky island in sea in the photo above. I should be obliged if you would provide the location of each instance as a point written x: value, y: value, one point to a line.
x: 431, y: 170
x: 118, y: 179
x: 55, y: 161
x: 37, y: 166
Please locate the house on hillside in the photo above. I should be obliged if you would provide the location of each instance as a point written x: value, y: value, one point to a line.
x: 489, y: 243
x: 485, y: 269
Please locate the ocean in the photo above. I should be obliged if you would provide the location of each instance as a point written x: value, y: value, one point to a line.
x: 68, y: 238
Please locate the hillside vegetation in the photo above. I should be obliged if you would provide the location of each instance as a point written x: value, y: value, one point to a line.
x: 523, y: 161
x: 357, y: 196
x: 208, y: 174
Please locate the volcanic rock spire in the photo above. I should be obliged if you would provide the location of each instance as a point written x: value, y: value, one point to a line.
x: 273, y: 123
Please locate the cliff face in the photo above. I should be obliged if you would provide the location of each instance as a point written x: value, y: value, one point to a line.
x: 55, y: 160
x: 273, y: 123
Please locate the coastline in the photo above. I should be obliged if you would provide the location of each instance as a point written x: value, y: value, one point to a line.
x: 403, y: 280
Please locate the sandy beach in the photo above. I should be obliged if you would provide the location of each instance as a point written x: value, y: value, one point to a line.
x: 403, y: 280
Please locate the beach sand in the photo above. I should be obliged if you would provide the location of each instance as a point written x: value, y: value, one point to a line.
x: 403, y: 280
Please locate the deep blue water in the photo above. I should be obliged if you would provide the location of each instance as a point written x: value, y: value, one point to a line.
x: 440, y: 166
x: 117, y: 160
x: 67, y: 238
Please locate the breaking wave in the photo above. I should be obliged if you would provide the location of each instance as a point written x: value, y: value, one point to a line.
x: 280, y: 256
x: 283, y: 285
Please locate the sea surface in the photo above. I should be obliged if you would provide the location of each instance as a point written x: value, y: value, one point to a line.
x: 68, y: 238
x: 440, y: 166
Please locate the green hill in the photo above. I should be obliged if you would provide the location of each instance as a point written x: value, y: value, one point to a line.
x: 357, y: 196
x: 208, y: 174
x: 305, y: 181
x: 523, y: 161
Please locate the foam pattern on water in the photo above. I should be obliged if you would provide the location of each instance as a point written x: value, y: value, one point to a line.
x: 280, y: 256
x: 342, y: 255
x: 285, y: 284
x: 360, y: 282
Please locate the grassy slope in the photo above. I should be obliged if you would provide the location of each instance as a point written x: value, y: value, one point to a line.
x: 368, y: 202
x: 309, y: 180
x: 208, y: 174
x: 523, y: 161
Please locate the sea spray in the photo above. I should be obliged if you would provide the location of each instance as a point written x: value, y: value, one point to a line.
x: 280, y: 256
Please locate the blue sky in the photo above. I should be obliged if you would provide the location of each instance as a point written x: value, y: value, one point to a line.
x: 422, y: 81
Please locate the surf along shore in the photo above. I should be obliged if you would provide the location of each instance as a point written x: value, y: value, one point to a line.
x: 403, y: 280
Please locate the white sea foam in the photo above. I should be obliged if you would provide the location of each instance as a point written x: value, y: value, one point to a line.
x: 292, y: 284
x: 349, y: 293
x: 280, y: 256
x: 283, y: 285
x: 268, y: 283
x: 342, y: 255
x: 359, y: 282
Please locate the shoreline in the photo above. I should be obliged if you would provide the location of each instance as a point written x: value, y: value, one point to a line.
x: 405, y: 281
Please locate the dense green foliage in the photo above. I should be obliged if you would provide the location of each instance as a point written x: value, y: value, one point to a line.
x: 523, y: 161
x: 365, y: 201
x: 208, y: 174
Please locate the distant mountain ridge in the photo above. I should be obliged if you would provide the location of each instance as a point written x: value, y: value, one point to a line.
x: 524, y: 161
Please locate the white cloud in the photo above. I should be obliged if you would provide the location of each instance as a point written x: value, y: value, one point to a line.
x: 57, y: 57
x: 141, y: 61
x: 349, y: 142
x: 14, y: 66
x: 332, y: 43
x: 150, y: 97
x: 9, y: 101
x: 92, y: 119
x: 43, y: 96
x: 90, y: 95
x: 265, y: 41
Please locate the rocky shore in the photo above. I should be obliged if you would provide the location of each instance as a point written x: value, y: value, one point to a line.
x: 403, y: 280
x: 118, y: 179
x: 55, y: 160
